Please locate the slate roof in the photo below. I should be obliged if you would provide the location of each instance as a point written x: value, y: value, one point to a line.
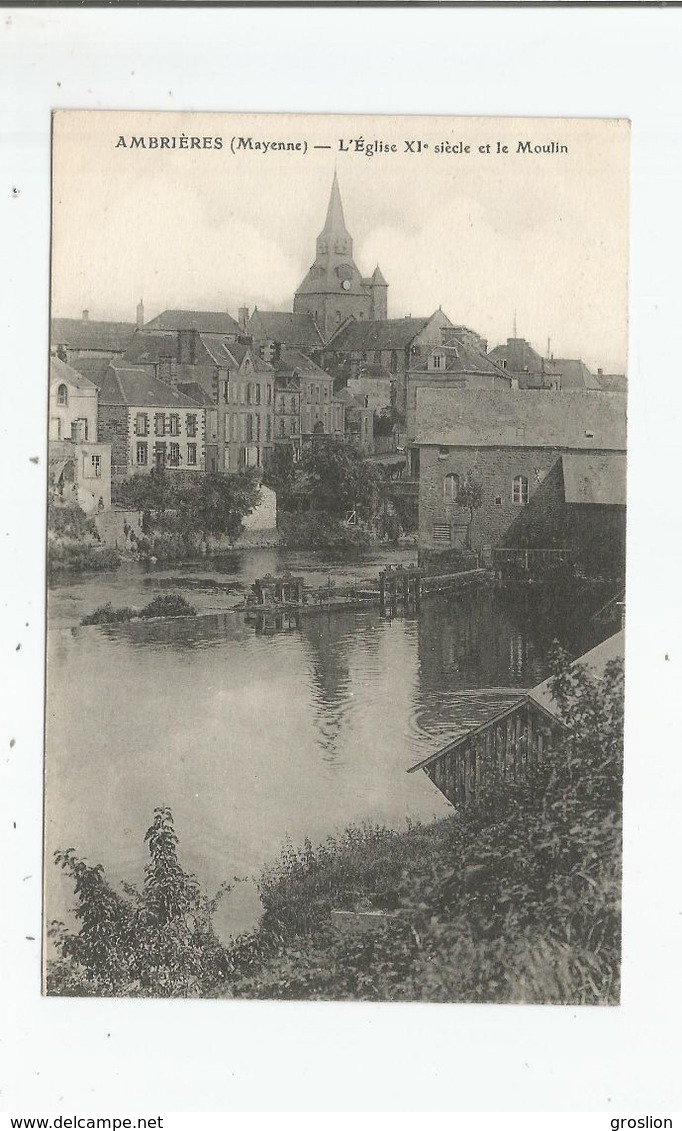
x: 613, y: 382
x: 196, y: 392
x: 595, y: 479
x: 347, y: 398
x: 223, y: 351
x: 513, y: 418
x: 299, y: 331
x: 76, y: 333
x: 388, y: 334
x: 137, y: 388
x: 521, y: 358
x: 60, y: 371
x: 148, y: 347
x: 205, y: 321
x: 290, y: 359
x: 575, y: 374
x: 459, y: 359
x: 94, y: 368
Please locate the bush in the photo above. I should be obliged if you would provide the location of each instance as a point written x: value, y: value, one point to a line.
x: 170, y: 605
x: 79, y: 558
x: 316, y: 530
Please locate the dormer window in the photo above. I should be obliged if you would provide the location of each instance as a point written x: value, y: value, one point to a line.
x: 437, y: 361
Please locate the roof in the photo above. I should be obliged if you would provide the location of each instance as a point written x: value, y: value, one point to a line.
x: 595, y: 479
x: 79, y: 333
x: 148, y: 347
x: 61, y: 372
x: 455, y: 417
x: 460, y: 359
x: 522, y: 358
x: 347, y: 398
x: 378, y: 278
x: 298, y: 331
x: 94, y: 368
x: 575, y: 374
x: 613, y: 382
x: 206, y: 321
x: 289, y: 360
x: 196, y: 392
x: 137, y: 388
x: 387, y: 334
x: 224, y: 351
x: 595, y: 661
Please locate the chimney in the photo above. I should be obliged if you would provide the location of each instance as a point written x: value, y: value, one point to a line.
x: 600, y: 373
x: 86, y: 315
x: 140, y: 314
x: 243, y: 317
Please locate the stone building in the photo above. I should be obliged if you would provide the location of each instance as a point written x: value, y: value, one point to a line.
x: 359, y: 421
x: 334, y: 289
x: 395, y: 344
x: 451, y: 366
x: 149, y: 424
x: 554, y: 474
x: 79, y: 466
x: 304, y: 400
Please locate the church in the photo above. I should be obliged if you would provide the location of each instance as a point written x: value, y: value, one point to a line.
x: 334, y: 290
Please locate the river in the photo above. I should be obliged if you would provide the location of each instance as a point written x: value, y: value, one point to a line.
x: 255, y: 738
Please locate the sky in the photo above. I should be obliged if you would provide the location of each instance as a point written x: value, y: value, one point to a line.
x: 494, y: 238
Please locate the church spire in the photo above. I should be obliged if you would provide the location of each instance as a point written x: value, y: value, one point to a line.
x: 335, y: 236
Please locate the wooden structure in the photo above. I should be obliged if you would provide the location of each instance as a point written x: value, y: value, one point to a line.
x: 285, y: 590
x: 515, y: 559
x: 402, y: 583
x: 499, y: 751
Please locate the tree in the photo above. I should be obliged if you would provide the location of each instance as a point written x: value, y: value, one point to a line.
x: 215, y: 504
x: 281, y: 476
x: 339, y: 479
x: 470, y: 497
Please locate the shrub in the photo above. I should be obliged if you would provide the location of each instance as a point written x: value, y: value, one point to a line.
x: 170, y: 605
x: 316, y: 530
x: 79, y: 558
x: 69, y: 521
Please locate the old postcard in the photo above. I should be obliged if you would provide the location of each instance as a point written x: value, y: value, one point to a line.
x: 336, y: 556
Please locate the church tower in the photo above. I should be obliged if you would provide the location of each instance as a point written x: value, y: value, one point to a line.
x: 334, y: 289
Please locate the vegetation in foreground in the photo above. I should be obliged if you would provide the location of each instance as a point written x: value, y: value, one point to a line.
x: 73, y: 541
x: 167, y: 605
x: 514, y: 900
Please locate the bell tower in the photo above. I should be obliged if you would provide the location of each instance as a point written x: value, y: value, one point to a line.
x: 334, y: 290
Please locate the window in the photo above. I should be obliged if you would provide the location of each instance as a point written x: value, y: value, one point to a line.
x: 293, y: 404
x: 282, y: 407
x: 248, y: 425
x: 293, y: 428
x: 174, y: 424
x: 256, y: 389
x: 503, y: 363
x: 377, y: 357
x: 450, y: 488
x: 192, y: 455
x: 62, y: 395
x: 520, y: 490
x: 227, y: 458
x: 268, y: 428
x: 443, y: 453
x: 269, y: 394
x: 226, y: 390
x: 141, y: 454
x: 191, y: 424
x: 394, y: 362
x: 242, y: 392
x: 257, y: 416
x: 441, y: 533
x: 174, y: 454
x: 96, y: 466
x: 281, y: 426
x: 234, y: 426
x: 437, y: 360
x: 159, y: 424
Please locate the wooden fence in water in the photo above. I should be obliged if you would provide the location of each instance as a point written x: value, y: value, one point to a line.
x: 501, y: 750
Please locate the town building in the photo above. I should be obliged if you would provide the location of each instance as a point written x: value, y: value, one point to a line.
x: 72, y: 339
x: 575, y: 374
x: 395, y: 344
x: 359, y: 421
x: 334, y: 289
x: 149, y: 424
x: 520, y: 361
x: 79, y: 467
x: 551, y: 477
x: 304, y: 399
x: 209, y: 349
x: 451, y: 366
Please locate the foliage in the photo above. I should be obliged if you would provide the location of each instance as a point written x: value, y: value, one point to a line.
x: 79, y: 558
x: 384, y: 422
x: 470, y: 497
x: 339, y: 479
x: 69, y: 521
x: 281, y: 476
x: 316, y: 530
x: 191, y: 508
x: 167, y: 605
x: 158, y: 941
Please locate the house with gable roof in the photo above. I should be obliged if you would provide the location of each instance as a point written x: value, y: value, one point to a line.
x: 79, y: 465
x: 550, y: 477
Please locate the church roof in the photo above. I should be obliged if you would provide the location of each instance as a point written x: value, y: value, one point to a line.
x: 378, y: 278
x: 388, y: 334
x: 513, y: 418
x: 206, y: 321
x: 335, y: 221
x: 298, y: 331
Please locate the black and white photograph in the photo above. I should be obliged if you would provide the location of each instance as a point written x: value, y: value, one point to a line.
x: 336, y: 516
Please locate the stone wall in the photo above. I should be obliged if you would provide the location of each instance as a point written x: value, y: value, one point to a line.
x: 112, y: 428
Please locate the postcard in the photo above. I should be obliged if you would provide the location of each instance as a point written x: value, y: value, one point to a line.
x: 336, y: 557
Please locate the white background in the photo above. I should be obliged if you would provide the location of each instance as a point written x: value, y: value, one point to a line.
x: 60, y: 1055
